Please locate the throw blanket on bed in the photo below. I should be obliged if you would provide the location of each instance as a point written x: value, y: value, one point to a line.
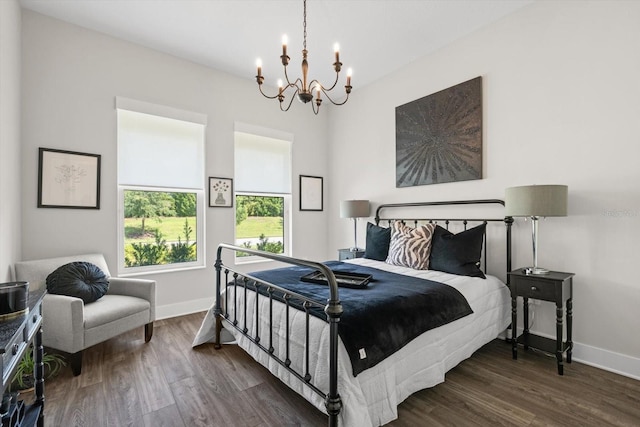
x: 382, y: 318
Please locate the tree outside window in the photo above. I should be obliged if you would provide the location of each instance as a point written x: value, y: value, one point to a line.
x: 159, y: 227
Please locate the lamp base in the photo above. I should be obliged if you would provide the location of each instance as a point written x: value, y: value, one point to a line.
x: 535, y: 270
x: 355, y: 249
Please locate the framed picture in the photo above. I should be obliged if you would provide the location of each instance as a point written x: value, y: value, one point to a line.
x: 310, y: 193
x: 220, y: 192
x: 439, y: 137
x: 68, y: 179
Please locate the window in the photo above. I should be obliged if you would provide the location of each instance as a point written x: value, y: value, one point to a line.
x: 161, y: 193
x: 263, y: 190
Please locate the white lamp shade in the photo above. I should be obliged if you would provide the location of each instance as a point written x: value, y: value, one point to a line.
x: 536, y: 200
x: 354, y: 209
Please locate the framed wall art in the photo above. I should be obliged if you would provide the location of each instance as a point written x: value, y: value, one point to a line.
x: 68, y: 179
x: 311, y: 193
x: 220, y: 192
x: 439, y: 137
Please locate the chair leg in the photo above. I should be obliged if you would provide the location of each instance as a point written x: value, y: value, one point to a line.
x: 148, y: 331
x: 75, y: 360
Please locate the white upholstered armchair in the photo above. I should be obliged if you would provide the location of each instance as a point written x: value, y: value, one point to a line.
x: 69, y: 325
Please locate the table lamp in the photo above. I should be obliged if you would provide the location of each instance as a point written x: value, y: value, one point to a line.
x: 535, y: 201
x: 354, y: 209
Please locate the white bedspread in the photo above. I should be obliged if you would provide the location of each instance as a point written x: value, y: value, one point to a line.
x: 371, y: 398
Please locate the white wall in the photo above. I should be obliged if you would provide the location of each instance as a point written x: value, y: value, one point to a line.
x: 9, y: 137
x: 560, y: 105
x: 70, y: 79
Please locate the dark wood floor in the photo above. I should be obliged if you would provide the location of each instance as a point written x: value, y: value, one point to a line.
x: 126, y: 382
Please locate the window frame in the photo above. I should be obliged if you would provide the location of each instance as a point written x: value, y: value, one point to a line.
x: 198, y: 187
x: 286, y: 226
x: 268, y: 133
x: 200, y: 261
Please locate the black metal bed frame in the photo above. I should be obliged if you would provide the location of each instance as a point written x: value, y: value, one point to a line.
x: 243, y: 282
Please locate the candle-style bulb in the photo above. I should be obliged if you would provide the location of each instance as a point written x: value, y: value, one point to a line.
x: 259, y: 65
x: 280, y: 84
x: 336, y: 49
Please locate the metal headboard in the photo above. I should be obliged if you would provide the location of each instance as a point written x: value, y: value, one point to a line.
x: 508, y: 221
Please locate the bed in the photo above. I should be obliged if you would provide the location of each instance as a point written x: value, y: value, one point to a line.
x: 293, y: 329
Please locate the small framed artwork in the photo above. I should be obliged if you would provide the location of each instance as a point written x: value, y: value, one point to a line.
x: 310, y: 193
x: 220, y: 192
x: 68, y: 179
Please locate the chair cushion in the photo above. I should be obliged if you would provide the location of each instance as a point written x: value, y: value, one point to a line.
x: 112, y: 307
x: 36, y: 271
x: 78, y: 279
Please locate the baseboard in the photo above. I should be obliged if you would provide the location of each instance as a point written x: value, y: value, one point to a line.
x: 608, y: 360
x: 183, y: 308
x: 617, y: 363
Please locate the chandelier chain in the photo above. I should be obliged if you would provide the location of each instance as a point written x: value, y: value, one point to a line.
x: 304, y: 25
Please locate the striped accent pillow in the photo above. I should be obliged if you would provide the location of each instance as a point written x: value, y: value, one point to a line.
x: 410, y: 247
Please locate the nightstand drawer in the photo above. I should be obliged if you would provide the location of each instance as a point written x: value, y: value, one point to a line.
x: 537, y: 289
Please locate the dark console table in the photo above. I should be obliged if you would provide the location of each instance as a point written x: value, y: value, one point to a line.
x: 16, y: 335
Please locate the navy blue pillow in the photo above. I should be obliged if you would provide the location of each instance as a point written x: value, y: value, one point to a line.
x: 378, y: 239
x: 458, y: 253
x: 78, y: 279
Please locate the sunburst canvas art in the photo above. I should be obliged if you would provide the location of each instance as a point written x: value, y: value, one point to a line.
x: 439, y: 137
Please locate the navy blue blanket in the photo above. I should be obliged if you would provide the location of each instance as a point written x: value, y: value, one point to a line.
x: 382, y: 318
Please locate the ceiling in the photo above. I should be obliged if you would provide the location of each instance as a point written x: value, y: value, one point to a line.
x: 376, y: 37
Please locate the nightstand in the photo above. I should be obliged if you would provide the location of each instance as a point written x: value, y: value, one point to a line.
x: 349, y: 254
x: 554, y: 287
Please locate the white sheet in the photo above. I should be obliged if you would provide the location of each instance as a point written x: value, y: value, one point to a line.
x: 371, y: 398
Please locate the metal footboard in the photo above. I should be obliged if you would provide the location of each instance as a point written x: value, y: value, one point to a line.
x: 243, y: 282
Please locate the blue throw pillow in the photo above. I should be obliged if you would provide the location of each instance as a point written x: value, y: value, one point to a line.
x: 78, y: 279
x: 378, y: 239
x: 458, y: 253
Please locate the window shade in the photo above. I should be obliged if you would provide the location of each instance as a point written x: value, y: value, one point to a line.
x: 159, y: 151
x: 262, y: 165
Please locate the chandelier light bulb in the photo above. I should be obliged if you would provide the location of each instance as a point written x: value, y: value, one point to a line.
x: 259, y: 77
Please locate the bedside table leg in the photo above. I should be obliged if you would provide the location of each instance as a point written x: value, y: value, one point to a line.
x: 569, y: 327
x: 525, y: 320
x: 559, y: 314
x: 514, y: 327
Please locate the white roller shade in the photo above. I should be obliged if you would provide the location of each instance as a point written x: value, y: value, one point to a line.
x: 262, y: 165
x: 159, y: 151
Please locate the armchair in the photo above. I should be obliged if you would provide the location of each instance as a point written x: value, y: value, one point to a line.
x: 71, y: 326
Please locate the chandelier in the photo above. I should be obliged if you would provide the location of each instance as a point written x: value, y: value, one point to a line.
x: 303, y: 88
